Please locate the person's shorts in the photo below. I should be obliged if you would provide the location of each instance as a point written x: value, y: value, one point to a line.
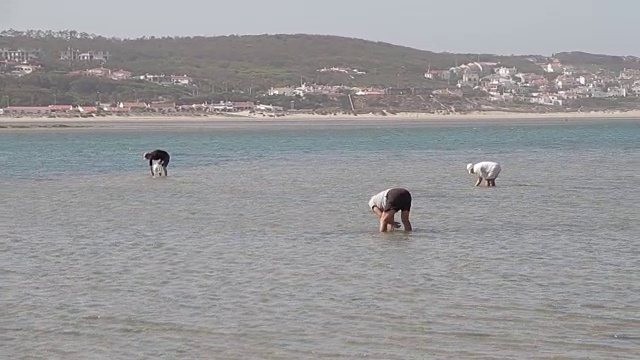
x: 398, y: 199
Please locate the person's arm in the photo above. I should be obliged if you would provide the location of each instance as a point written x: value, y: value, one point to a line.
x: 387, y: 220
x: 479, y: 181
x: 383, y: 225
x: 377, y: 211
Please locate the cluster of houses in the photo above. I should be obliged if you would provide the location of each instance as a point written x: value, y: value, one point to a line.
x: 121, y: 74
x: 305, y: 89
x: 47, y: 110
x: 163, y: 79
x: 27, y: 56
x: 163, y: 107
x: 502, y: 83
x: 72, y: 54
x: 20, y: 62
x: 561, y: 83
x: 337, y: 69
x: 19, y: 56
x: 329, y: 90
x: 18, y: 70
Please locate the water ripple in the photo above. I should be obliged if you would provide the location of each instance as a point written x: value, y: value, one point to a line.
x: 260, y: 245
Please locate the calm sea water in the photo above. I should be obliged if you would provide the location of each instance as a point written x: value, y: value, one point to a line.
x: 260, y: 245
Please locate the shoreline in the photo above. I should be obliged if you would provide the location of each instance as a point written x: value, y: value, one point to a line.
x: 247, y: 119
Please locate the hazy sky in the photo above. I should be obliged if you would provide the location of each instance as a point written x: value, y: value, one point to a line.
x: 490, y: 26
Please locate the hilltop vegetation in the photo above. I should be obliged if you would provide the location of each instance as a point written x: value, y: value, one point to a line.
x: 261, y: 60
x: 608, y: 62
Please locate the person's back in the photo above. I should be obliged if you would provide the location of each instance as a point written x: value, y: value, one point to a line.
x: 157, y: 155
x: 379, y: 200
x: 489, y: 170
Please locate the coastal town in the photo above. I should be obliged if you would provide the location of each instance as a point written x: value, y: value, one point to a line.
x: 473, y: 86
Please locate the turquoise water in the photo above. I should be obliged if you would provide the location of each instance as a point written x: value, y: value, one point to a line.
x: 72, y: 152
x: 260, y: 243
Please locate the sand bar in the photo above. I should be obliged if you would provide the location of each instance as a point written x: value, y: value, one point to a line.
x: 246, y: 120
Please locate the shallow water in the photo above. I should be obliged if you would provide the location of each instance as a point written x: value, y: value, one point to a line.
x: 259, y: 244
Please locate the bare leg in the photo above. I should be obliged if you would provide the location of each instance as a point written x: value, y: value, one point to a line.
x: 404, y: 216
x: 386, y: 219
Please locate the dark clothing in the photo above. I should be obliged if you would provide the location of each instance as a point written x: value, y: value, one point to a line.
x: 398, y: 199
x: 160, y: 155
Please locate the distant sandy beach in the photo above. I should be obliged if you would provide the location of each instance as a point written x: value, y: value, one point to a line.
x: 246, y: 119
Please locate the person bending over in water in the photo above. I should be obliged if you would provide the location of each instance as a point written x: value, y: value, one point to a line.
x: 161, y: 156
x: 387, y: 203
x: 486, y: 170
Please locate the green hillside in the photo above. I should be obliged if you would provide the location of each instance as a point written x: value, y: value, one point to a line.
x: 234, y: 64
x: 261, y: 60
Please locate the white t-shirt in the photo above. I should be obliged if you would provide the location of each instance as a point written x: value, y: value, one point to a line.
x: 487, y: 169
x: 379, y: 200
